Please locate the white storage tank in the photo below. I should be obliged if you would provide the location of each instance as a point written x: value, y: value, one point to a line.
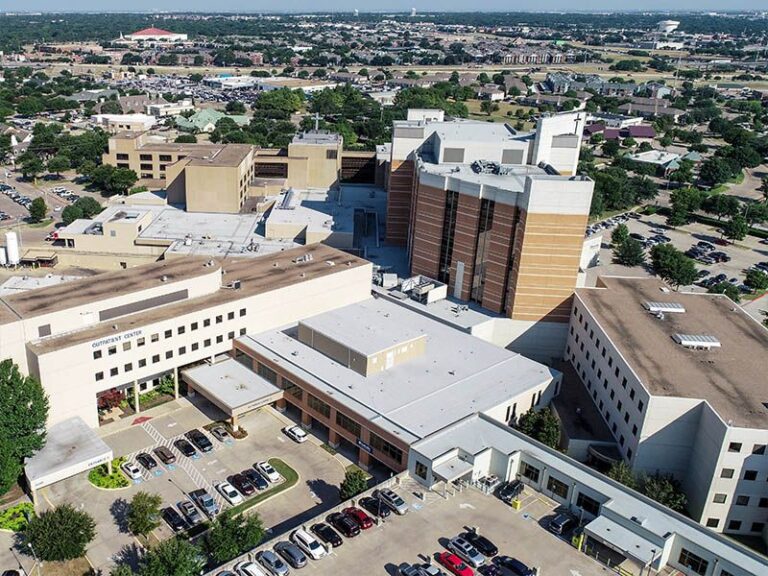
x: 3, y: 257
x: 12, y: 248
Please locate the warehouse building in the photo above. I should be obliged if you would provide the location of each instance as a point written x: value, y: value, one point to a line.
x: 680, y: 380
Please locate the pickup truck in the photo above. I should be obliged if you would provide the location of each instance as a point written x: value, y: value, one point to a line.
x: 205, y: 502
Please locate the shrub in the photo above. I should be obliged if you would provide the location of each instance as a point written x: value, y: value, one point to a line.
x: 100, y: 477
x: 15, y: 517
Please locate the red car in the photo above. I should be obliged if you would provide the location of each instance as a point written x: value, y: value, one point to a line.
x: 363, y: 520
x: 454, y: 564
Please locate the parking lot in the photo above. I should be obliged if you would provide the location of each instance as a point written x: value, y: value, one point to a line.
x: 316, y: 490
x: 418, y: 536
x: 743, y: 254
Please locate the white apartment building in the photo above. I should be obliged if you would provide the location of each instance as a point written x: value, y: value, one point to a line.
x: 681, y: 380
x: 125, y: 330
x: 164, y: 109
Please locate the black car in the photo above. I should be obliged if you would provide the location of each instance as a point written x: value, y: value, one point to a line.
x: 483, y: 545
x: 185, y: 447
x: 242, y: 484
x: 165, y: 455
x: 255, y: 478
x: 174, y: 519
x: 510, y: 490
x: 200, y: 440
x: 513, y: 565
x: 490, y: 570
x: 344, y: 524
x: 327, y: 534
x: 375, y: 506
x: 146, y: 460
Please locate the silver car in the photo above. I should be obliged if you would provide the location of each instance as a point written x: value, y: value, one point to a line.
x: 466, y: 552
x: 273, y: 563
x: 393, y: 500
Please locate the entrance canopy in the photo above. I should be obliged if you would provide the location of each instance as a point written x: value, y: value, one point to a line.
x: 232, y: 387
x: 71, y: 447
x: 621, y: 539
x: 452, y: 469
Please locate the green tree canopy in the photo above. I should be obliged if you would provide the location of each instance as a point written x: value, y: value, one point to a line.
x: 619, y: 234
x: 629, y: 253
x: 736, y: 228
x: 144, y: 513
x: 355, y: 482
x: 58, y: 164
x: 541, y: 425
x: 756, y: 279
x: 622, y: 473
x: 672, y: 265
x: 727, y: 289
x: 37, y: 210
x: 665, y: 490
x: 231, y: 535
x: 173, y: 557
x: 62, y: 533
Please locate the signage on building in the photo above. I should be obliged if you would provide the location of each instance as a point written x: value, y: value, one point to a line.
x: 115, y: 339
x: 365, y: 446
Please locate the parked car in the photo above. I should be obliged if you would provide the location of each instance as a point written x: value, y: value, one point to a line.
x: 430, y: 570
x: 375, y: 506
x: 291, y: 554
x: 205, y: 501
x: 308, y: 544
x: 327, y: 534
x: 406, y: 569
x: 393, y: 500
x: 513, y: 565
x: 131, y: 470
x: 230, y: 494
x: 510, y: 490
x: 490, y: 570
x: 560, y: 524
x: 344, y: 524
x: 185, y: 447
x: 256, y: 479
x: 165, y: 455
x: 146, y: 460
x: 484, y: 546
x: 273, y: 563
x: 173, y: 519
x: 268, y: 471
x: 454, y: 564
x: 190, y: 512
x: 362, y: 519
x: 464, y: 550
x: 249, y: 569
x: 242, y: 484
x: 296, y: 433
x: 200, y: 440
x: 220, y: 433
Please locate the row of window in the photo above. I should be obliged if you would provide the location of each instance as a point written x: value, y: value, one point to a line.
x: 111, y: 350
x: 757, y: 449
x: 128, y: 367
x: 741, y: 500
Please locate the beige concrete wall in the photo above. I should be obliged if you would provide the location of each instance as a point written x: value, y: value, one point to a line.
x: 320, y: 171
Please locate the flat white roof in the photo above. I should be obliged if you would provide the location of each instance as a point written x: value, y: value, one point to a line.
x: 457, y: 375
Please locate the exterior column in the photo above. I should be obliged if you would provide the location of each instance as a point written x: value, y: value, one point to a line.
x: 176, y: 383
x: 364, y: 459
x: 109, y: 467
x: 235, y: 425
x: 333, y: 438
x: 306, y: 419
x: 280, y: 405
x: 136, y: 405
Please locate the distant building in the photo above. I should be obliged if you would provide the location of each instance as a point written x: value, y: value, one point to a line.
x: 205, y: 120
x: 154, y: 35
x: 120, y: 122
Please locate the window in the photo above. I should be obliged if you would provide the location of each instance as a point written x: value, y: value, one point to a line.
x: 168, y: 333
x: 381, y: 445
x: 631, y: 393
x: 713, y: 522
x: 140, y: 342
x: 181, y: 330
x: 155, y: 358
x: 165, y: 158
x: 128, y: 367
x: 734, y: 447
x: 734, y: 525
x: 634, y: 429
x: 146, y: 166
x: 195, y: 346
x: 318, y: 405
x: 231, y: 335
x: 242, y: 331
x: 420, y: 469
x: 589, y: 505
x: 126, y: 346
x: 757, y: 527
x: 750, y: 475
x: 230, y: 315
x: 96, y: 354
x: 557, y: 487
x: 113, y: 371
x: 219, y: 319
x: 142, y: 362
x: 725, y: 573
x: 742, y: 500
x: 530, y: 472
x: 99, y: 376
x: 719, y: 499
x: 693, y: 562
x: 626, y: 417
x: 763, y: 503
x: 123, y: 156
x: 348, y: 424
x: 112, y: 350
x: 726, y: 473
x: 267, y: 373
x: 206, y: 322
x: 207, y: 342
x: 145, y: 157
x: 182, y: 350
x: 193, y: 326
x: 291, y: 388
x: 154, y: 337
x: 219, y: 339
x: 169, y: 355
x: 640, y: 405
x: 758, y: 449
x: 242, y: 312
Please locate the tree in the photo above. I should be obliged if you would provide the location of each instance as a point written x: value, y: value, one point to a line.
x: 31, y: 165
x: 665, y: 141
x: 235, y: 107
x: 541, y: 425
x: 622, y: 473
x: 721, y: 205
x: 684, y: 202
x: 666, y: 490
x: 37, y: 210
x: 611, y: 147
x: 629, y: 253
x: 111, y: 107
x: 488, y: 107
x: 231, y: 535
x: 756, y: 279
x: 186, y: 139
x: 70, y: 214
x: 355, y: 481
x: 123, y: 570
x: 736, y: 228
x: 58, y: 164
x: 764, y: 188
x: 88, y: 206
x: 715, y: 170
x: 62, y: 533
x: 173, y: 557
x: 144, y: 513
x: 672, y: 265
x: 619, y: 234
x: 23, y: 413
x: 727, y: 289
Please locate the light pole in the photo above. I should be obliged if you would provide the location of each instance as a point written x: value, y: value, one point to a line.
x: 38, y: 563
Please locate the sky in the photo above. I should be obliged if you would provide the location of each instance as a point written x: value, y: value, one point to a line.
x: 373, y: 5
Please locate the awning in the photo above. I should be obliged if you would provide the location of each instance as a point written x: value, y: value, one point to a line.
x: 608, y: 453
x: 452, y: 469
x: 71, y: 447
x: 231, y: 386
x: 622, y: 540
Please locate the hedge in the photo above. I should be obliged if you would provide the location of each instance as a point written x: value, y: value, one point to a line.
x: 15, y: 517
x: 100, y: 478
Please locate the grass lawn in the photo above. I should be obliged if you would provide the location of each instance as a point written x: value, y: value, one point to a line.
x: 42, y: 223
x: 77, y: 567
x: 500, y: 115
x: 291, y: 477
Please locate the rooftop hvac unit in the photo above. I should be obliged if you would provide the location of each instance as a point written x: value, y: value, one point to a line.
x: 422, y: 288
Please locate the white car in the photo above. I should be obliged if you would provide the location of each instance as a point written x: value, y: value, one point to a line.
x: 269, y: 473
x: 230, y: 494
x: 296, y: 433
x: 309, y: 544
x: 132, y: 470
x: 249, y: 569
